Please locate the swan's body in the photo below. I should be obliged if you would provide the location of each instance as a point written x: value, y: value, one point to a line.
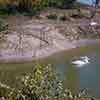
x: 93, y: 23
x: 82, y: 61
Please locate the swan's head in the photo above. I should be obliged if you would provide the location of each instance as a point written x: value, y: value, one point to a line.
x: 85, y: 58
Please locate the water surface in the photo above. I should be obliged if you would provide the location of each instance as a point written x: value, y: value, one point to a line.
x: 75, y: 78
x: 90, y: 2
x: 79, y: 78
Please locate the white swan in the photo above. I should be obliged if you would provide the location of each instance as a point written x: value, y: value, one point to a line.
x: 84, y: 60
x: 93, y: 23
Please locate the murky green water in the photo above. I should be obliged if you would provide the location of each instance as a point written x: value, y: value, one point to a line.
x: 75, y: 78
x: 79, y: 78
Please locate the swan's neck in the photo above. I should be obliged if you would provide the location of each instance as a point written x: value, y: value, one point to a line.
x: 86, y: 60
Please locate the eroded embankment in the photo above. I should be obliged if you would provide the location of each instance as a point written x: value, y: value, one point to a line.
x: 39, y: 39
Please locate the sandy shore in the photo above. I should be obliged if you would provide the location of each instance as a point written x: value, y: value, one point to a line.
x: 49, y: 50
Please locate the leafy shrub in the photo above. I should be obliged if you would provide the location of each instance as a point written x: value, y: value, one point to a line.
x: 42, y: 84
x: 8, y: 8
x: 3, y: 29
x: 22, y: 6
x: 3, y: 25
x: 33, y: 6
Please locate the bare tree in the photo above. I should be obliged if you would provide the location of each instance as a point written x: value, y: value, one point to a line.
x: 95, y: 3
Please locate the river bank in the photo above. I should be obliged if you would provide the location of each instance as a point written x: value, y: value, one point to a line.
x: 31, y: 39
x: 49, y: 50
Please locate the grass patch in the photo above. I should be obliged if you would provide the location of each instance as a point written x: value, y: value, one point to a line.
x: 10, y: 73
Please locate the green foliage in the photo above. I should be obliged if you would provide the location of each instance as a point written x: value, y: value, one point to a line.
x: 36, y: 7
x: 3, y: 29
x: 32, y: 7
x: 52, y: 16
x: 3, y: 25
x: 4, y: 92
x: 42, y: 84
x: 8, y: 9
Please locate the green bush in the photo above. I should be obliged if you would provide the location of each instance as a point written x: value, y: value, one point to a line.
x: 32, y: 7
x: 42, y: 84
x: 3, y: 25
x: 3, y: 29
x: 8, y: 9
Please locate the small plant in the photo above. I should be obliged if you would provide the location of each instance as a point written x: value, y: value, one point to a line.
x: 3, y: 29
x: 52, y: 16
x: 32, y: 6
x: 63, y: 18
x: 3, y: 25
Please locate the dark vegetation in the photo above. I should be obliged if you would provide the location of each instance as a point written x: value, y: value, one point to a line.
x: 52, y: 16
x: 32, y: 7
x: 3, y: 29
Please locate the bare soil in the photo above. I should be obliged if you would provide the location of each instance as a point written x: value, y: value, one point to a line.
x: 31, y: 38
